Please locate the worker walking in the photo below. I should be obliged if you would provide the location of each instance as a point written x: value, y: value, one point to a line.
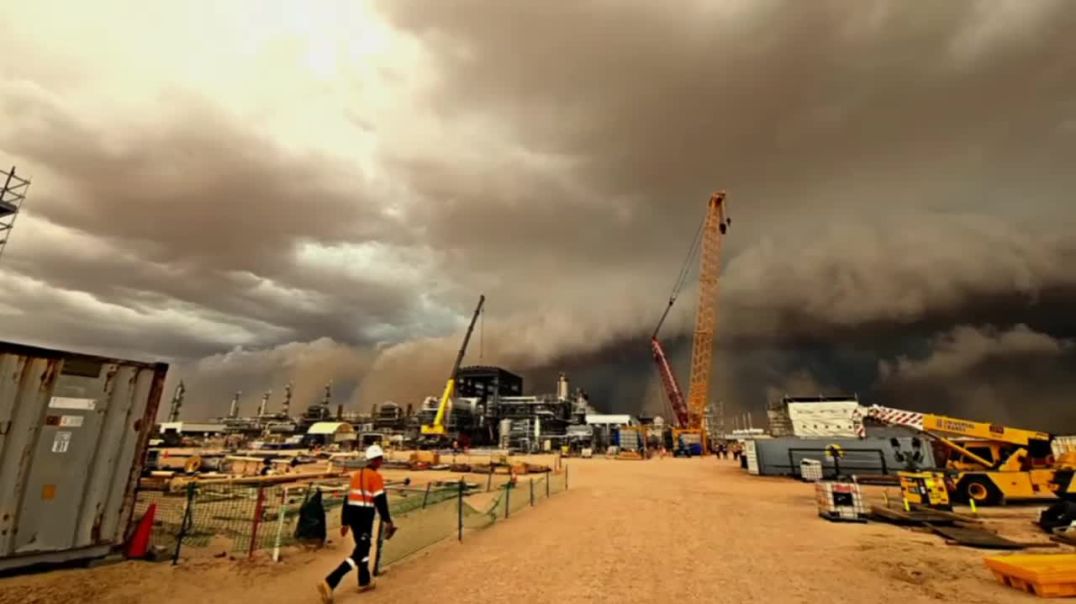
x: 365, y: 495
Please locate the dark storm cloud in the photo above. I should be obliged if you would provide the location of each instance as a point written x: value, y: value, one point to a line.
x: 199, y: 212
x: 1015, y: 376
x: 787, y: 104
x: 894, y: 170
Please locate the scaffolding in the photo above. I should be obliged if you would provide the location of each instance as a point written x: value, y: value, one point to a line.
x: 11, y: 198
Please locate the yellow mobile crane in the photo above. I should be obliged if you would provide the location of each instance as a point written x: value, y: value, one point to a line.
x: 436, y: 430
x: 989, y: 463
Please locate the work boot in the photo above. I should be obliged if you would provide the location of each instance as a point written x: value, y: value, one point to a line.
x: 325, y: 592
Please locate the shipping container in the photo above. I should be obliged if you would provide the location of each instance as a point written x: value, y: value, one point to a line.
x: 73, y: 435
x: 871, y: 455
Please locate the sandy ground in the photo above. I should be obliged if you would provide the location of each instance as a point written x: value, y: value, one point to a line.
x: 696, y: 530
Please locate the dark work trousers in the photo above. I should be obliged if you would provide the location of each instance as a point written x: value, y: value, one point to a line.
x: 359, y: 559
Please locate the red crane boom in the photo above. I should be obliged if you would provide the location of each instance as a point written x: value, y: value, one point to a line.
x: 672, y: 387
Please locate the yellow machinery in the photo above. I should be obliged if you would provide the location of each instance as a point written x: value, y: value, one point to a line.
x: 690, y: 414
x: 436, y: 431
x: 990, y: 463
x: 927, y: 489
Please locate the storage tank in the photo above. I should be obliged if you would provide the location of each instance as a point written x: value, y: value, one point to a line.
x: 562, y: 388
x: 74, y: 438
x: 504, y: 433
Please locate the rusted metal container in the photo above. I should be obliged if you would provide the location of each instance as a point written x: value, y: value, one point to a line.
x: 73, y: 435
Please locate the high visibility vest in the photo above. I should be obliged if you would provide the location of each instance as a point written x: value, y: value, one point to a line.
x: 366, y: 484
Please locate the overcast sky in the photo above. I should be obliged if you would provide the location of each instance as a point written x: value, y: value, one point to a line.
x: 265, y: 191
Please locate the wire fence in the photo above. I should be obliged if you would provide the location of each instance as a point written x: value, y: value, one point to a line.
x: 243, y: 520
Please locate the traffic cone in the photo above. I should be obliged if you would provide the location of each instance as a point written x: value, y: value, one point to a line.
x: 138, y: 546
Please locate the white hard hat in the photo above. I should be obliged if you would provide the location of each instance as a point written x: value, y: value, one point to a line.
x: 374, y: 451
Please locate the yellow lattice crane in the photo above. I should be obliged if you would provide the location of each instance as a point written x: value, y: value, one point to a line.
x: 711, y: 232
x: 702, y: 351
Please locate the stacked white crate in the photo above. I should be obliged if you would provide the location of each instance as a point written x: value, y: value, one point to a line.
x: 811, y: 470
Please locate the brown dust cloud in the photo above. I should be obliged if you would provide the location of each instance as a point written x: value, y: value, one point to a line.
x: 281, y: 195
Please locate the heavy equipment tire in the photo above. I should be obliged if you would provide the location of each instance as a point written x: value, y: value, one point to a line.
x: 979, y: 489
x: 1063, y: 481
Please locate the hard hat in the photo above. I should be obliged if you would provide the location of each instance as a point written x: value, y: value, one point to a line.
x: 374, y: 451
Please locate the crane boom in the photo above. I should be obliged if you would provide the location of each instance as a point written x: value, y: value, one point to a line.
x: 438, y: 425
x: 668, y: 380
x: 936, y: 426
x: 702, y: 350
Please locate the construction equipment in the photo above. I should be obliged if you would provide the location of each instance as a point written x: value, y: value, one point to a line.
x: 989, y: 463
x: 924, y: 488
x: 689, y: 415
x: 435, y: 431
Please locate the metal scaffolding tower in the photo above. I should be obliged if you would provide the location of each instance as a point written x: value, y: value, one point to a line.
x: 11, y: 198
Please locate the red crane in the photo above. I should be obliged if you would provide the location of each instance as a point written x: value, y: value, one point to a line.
x: 668, y: 379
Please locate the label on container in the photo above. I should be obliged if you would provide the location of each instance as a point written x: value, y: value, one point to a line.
x: 62, y: 442
x: 71, y: 421
x: 64, y: 402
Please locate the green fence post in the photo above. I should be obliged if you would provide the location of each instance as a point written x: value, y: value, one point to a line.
x: 532, y: 492
x: 507, y: 498
x: 460, y: 511
x: 489, y: 481
x: 548, y: 477
x: 380, y: 546
x: 185, y: 524
x: 426, y: 497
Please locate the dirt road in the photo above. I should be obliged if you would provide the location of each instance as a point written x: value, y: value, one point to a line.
x: 695, y: 530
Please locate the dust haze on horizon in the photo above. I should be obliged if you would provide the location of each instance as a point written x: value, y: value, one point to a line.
x: 274, y: 191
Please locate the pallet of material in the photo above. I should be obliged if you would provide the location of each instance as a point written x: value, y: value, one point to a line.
x: 978, y: 537
x: 917, y: 516
x: 896, y: 516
